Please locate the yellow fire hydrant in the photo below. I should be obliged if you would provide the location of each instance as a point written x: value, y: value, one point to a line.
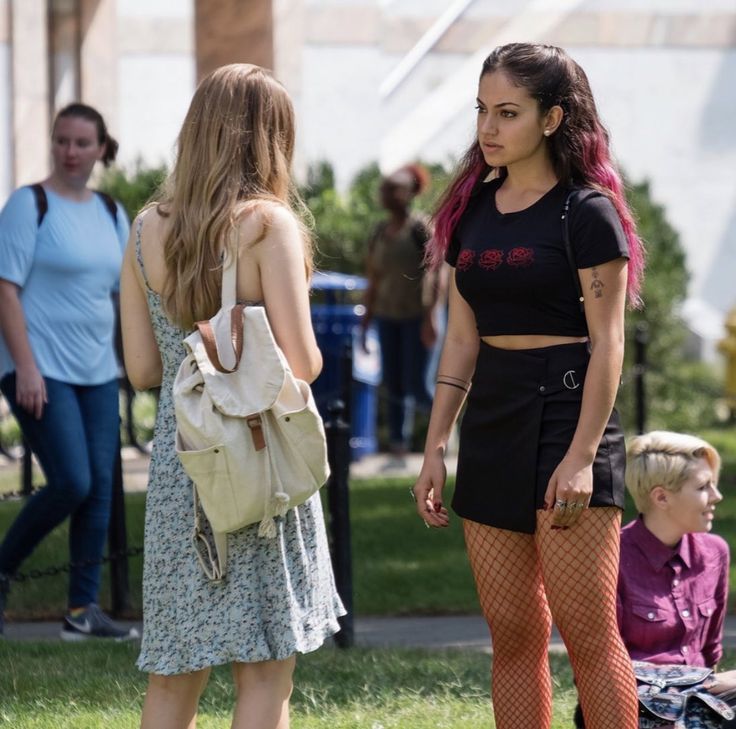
x: 728, y: 347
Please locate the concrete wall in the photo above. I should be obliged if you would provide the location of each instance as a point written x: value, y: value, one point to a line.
x: 156, y: 76
x: 6, y: 111
x: 662, y: 72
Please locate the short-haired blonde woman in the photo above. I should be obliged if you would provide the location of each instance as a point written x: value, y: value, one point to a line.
x: 673, y: 578
x: 230, y: 193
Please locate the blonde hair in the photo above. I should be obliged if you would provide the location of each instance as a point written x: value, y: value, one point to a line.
x: 236, y: 145
x: 665, y: 459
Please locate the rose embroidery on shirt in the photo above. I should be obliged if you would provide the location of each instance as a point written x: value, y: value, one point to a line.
x: 491, y: 259
x: 465, y: 260
x: 520, y: 257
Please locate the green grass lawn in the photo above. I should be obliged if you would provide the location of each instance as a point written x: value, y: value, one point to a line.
x: 399, y: 566
x: 58, y: 686
x: 83, y: 686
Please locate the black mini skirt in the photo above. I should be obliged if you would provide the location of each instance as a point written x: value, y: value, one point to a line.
x: 521, y: 415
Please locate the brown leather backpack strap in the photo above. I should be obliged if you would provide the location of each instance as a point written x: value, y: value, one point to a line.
x: 256, y: 431
x: 236, y: 339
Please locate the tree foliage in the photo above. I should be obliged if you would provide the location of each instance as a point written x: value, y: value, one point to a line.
x: 680, y: 393
x: 344, y: 221
x: 135, y: 187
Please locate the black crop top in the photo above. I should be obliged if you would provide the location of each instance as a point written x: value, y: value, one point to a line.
x: 512, y: 268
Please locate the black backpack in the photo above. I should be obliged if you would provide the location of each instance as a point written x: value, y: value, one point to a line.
x: 42, y: 203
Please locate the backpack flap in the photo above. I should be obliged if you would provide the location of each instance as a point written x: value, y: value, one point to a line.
x: 255, y: 382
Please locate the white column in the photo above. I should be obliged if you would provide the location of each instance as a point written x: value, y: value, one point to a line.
x: 6, y: 105
x: 98, y: 58
x: 64, y: 52
x: 30, y: 89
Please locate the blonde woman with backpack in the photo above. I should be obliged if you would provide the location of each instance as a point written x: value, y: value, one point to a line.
x: 230, y: 193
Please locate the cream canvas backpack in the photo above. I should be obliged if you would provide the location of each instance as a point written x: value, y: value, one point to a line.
x: 248, y: 432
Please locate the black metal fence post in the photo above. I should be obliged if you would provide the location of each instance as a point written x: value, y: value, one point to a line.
x: 117, y: 543
x: 26, y: 471
x: 337, y: 429
x: 641, y: 338
x: 346, y: 381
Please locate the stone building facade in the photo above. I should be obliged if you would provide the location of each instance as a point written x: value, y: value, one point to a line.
x: 393, y: 80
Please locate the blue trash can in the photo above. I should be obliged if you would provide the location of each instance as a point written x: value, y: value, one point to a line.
x: 336, y: 312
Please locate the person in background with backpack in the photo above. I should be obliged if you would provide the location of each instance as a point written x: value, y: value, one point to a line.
x: 230, y: 193
x: 401, y: 297
x: 539, y: 334
x: 61, y: 248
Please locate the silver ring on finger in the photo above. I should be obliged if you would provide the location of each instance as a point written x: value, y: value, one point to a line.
x: 561, y: 504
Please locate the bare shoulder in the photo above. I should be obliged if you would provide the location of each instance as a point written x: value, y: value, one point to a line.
x: 153, y: 224
x: 270, y: 222
x: 152, y: 221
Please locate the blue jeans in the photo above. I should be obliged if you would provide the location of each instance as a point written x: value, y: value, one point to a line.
x: 404, y: 363
x: 75, y: 441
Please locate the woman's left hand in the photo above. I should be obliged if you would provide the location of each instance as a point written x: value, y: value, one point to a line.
x: 569, y: 490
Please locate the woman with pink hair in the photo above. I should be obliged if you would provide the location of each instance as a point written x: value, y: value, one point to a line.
x: 544, y: 250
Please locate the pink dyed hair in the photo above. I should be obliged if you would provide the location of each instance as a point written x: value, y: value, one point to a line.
x: 579, y: 149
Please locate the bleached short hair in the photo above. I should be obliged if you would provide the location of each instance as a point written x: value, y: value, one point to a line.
x: 665, y: 459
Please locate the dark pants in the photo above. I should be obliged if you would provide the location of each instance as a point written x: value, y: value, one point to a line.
x: 75, y: 441
x: 404, y: 363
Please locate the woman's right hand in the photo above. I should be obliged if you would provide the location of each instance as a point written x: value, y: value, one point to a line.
x: 428, y: 491
x: 723, y: 682
x: 30, y: 390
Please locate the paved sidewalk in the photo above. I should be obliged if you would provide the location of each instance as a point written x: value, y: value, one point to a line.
x: 466, y: 632
x: 135, y: 468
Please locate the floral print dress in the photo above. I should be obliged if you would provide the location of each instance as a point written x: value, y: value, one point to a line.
x: 278, y: 597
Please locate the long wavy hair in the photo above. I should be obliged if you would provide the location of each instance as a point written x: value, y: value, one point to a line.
x: 236, y: 146
x: 579, y: 148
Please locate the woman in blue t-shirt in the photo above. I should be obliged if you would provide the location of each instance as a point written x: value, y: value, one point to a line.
x: 61, y: 248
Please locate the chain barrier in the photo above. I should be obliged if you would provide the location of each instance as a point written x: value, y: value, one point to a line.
x: 65, y: 568
x: 16, y: 495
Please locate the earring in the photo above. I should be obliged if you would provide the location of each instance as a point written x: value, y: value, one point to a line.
x: 547, y: 132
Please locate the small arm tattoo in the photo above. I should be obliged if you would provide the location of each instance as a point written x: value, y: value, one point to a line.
x: 596, y: 285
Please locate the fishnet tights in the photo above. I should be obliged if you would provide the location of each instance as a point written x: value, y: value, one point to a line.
x: 524, y: 581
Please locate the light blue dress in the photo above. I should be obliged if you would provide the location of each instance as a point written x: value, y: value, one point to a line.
x: 278, y: 597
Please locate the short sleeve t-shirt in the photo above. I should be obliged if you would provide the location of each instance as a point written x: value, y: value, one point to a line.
x: 397, y: 263
x: 67, y: 270
x: 512, y: 268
